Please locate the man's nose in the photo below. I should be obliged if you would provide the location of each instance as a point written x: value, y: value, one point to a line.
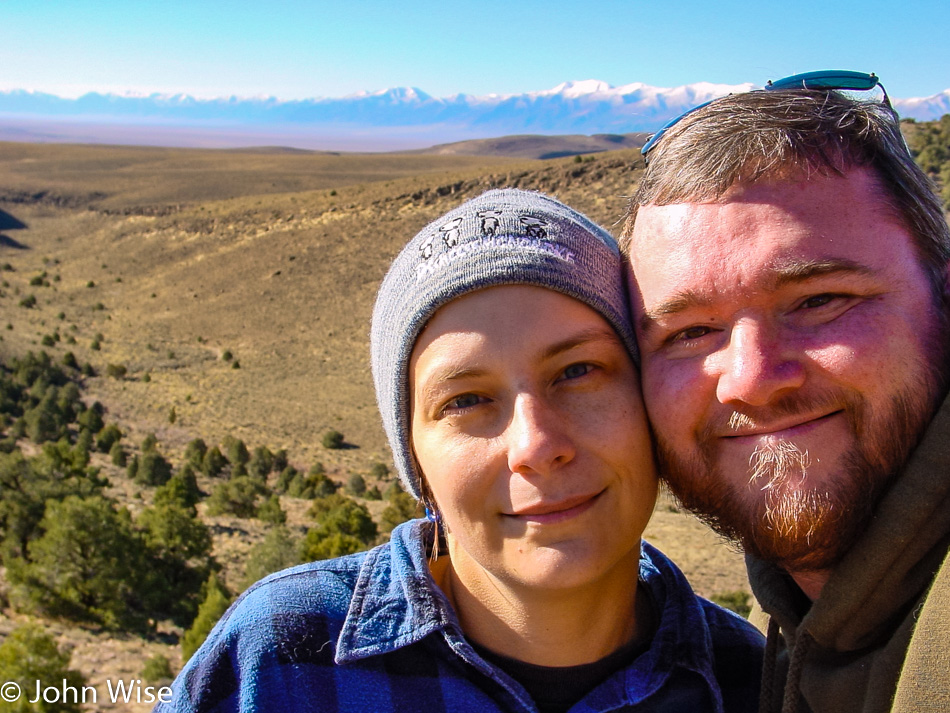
x: 757, y: 365
x: 538, y: 437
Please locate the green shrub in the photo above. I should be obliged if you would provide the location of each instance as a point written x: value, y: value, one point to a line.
x: 286, y: 476
x: 321, y: 485
x: 236, y: 451
x: 402, y: 507
x: 379, y: 471
x: 107, y: 437
x: 214, y: 603
x: 178, y: 547
x: 181, y: 491
x: 270, y: 511
x: 42, y: 423
x: 736, y: 600
x: 157, y: 670
x: 237, y: 496
x: 213, y: 462
x: 338, y: 513
x: 153, y: 469
x: 116, y: 371
x: 261, y: 463
x: 195, y: 452
x: 356, y: 485
x: 117, y: 455
x: 278, y: 550
x: 86, y: 566
x: 322, y: 545
x: 27, y: 655
x: 332, y: 439
x: 91, y: 418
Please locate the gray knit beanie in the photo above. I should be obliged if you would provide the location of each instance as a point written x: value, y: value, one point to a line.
x: 502, y: 237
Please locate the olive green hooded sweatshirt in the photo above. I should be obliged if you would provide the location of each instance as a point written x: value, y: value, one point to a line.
x: 884, y: 603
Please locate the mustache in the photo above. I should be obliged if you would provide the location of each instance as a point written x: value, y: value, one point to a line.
x: 745, y: 417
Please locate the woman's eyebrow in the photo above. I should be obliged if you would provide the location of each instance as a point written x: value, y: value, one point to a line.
x: 441, y: 375
x: 594, y: 334
x: 433, y: 383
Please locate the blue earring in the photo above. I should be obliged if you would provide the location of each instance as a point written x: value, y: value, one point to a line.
x: 432, y: 515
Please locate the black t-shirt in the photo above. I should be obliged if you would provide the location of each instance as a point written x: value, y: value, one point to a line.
x: 556, y: 688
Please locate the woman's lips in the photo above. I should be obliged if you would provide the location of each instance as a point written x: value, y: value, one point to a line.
x: 551, y: 512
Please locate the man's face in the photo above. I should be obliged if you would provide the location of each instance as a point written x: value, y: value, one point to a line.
x: 791, y: 356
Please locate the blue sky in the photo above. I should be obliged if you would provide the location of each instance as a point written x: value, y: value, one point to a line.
x: 295, y: 49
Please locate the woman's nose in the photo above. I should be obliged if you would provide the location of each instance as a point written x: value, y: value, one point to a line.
x: 538, y: 439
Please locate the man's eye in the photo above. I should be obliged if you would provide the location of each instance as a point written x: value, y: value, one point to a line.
x: 817, y: 301
x: 577, y: 370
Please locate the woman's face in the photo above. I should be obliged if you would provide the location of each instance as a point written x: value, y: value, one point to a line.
x: 528, y: 426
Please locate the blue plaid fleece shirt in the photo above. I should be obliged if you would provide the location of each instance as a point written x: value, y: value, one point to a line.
x: 372, y: 633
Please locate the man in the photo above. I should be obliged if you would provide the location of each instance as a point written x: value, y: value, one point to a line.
x: 790, y: 288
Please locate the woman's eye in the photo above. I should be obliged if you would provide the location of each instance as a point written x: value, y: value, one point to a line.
x: 462, y: 401
x: 577, y: 370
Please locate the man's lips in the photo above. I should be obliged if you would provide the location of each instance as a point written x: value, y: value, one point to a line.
x: 548, y: 512
x: 788, y: 427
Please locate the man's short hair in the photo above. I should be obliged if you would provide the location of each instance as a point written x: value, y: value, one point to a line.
x: 780, y: 135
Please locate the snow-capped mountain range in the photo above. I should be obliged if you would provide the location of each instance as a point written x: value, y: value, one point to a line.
x: 583, y: 107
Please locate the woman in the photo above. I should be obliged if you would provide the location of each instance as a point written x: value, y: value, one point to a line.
x: 503, y: 364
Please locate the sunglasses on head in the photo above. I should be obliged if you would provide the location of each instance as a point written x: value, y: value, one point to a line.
x: 827, y: 80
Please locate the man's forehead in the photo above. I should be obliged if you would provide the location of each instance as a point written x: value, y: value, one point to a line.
x: 760, y: 236
x: 822, y: 203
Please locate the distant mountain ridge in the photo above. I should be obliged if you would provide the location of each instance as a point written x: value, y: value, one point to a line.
x: 581, y: 107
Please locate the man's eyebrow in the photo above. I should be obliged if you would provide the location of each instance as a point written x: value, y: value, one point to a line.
x: 783, y: 274
x: 680, y: 302
x: 801, y: 270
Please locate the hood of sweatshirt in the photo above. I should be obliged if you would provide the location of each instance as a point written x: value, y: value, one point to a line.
x: 864, y: 617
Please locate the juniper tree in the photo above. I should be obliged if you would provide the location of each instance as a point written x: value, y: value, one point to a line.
x: 214, y: 602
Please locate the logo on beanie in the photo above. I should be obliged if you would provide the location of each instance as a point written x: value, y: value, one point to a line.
x: 534, y: 227
x: 528, y: 232
x: 489, y: 221
x: 450, y: 233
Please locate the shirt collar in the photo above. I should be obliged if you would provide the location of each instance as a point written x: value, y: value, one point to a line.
x: 396, y: 603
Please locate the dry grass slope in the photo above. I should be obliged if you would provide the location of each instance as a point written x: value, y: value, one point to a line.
x: 270, y: 255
